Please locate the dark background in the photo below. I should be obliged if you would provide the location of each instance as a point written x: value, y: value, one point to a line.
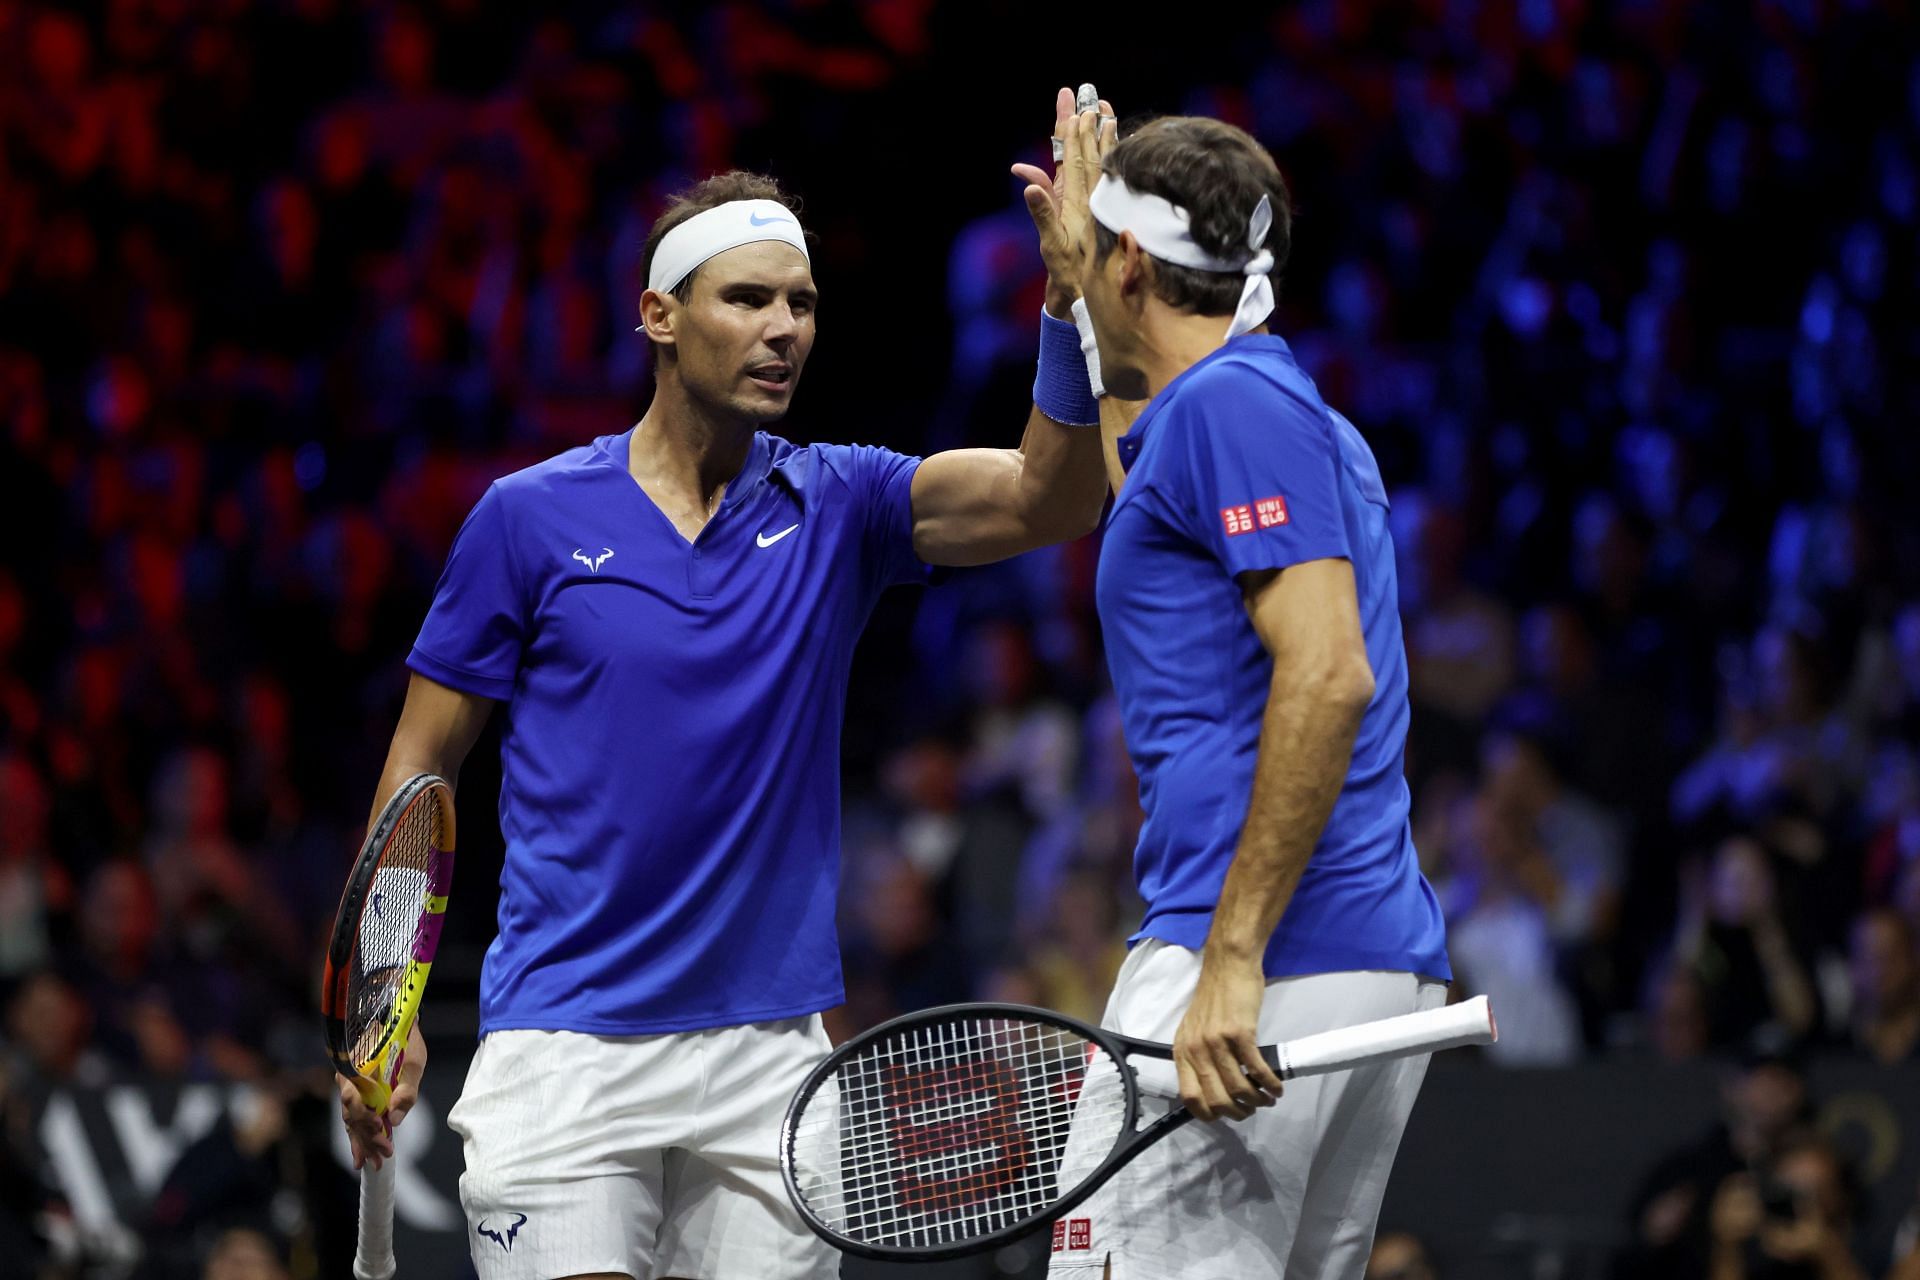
x: 1621, y: 294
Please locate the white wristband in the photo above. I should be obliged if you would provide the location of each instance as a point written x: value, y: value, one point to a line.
x: 1088, y: 348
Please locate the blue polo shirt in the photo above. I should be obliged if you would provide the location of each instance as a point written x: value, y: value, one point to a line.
x: 670, y: 791
x: 1236, y: 466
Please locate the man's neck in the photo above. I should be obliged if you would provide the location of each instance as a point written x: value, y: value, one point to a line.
x: 1172, y: 342
x: 684, y: 447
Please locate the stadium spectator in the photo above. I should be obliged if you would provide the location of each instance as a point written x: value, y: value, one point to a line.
x: 1795, y: 1217
x: 1886, y: 988
x: 1074, y: 963
x: 171, y: 1001
x: 1500, y: 896
x: 120, y: 970
x: 966, y: 845
x: 1581, y: 844
x: 899, y: 960
x: 49, y: 1029
x: 1738, y: 944
x: 1763, y: 1103
x: 1460, y: 648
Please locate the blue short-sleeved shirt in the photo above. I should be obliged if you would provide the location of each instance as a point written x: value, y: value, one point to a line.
x: 670, y: 792
x: 1236, y: 466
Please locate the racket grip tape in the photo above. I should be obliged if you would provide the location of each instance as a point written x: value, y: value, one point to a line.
x: 373, y: 1256
x: 1469, y: 1022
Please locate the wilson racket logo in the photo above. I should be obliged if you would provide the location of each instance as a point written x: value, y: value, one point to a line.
x: 956, y: 1133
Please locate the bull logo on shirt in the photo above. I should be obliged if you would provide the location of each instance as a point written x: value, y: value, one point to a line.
x: 593, y: 563
x: 504, y: 1241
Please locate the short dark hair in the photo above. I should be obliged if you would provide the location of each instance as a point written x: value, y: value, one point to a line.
x: 711, y: 193
x: 1217, y: 173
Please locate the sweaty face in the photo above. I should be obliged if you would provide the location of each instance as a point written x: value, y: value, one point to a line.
x: 742, y: 337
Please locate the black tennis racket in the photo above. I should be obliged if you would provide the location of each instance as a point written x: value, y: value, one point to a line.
x: 955, y: 1130
x: 384, y: 937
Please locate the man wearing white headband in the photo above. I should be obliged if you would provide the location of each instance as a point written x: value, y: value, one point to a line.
x: 669, y: 614
x: 1247, y: 597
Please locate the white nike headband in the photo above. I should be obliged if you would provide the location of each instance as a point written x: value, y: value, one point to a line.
x: 717, y: 230
x: 1165, y: 230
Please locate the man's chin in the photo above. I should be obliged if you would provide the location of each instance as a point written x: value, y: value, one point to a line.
x: 764, y: 410
x: 763, y: 405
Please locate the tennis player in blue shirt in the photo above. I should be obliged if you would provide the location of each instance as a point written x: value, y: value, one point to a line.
x: 1246, y: 593
x: 668, y: 616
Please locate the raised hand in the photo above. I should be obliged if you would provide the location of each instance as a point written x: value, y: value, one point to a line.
x: 1058, y: 202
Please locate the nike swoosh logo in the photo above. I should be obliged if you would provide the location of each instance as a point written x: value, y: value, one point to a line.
x: 754, y: 219
x: 763, y: 540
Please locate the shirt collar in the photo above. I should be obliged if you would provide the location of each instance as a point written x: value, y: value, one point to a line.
x: 1130, y: 444
x: 752, y: 471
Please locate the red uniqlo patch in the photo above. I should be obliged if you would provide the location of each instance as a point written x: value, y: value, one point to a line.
x: 1238, y: 520
x: 1269, y: 512
x: 1059, y: 1236
x: 1080, y: 1233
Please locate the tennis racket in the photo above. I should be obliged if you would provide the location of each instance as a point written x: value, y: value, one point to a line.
x: 384, y: 937
x: 955, y: 1130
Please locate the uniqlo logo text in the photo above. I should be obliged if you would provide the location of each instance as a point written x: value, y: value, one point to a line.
x: 1238, y: 520
x: 1059, y: 1236
x: 1080, y: 1233
x: 1269, y: 512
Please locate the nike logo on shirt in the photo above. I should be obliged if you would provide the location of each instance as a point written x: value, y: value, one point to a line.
x: 761, y: 539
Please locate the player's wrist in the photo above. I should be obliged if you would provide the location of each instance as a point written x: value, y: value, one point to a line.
x: 1226, y: 949
x: 1060, y: 299
x: 1060, y: 386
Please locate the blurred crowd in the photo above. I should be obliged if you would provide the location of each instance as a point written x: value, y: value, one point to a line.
x: 1622, y: 294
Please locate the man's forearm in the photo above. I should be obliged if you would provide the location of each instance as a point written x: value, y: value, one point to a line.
x: 1306, y: 746
x: 1063, y: 480
x: 438, y: 727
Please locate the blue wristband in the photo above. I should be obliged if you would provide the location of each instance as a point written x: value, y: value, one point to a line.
x: 1060, y: 386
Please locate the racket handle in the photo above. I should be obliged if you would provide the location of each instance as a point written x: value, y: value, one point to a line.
x: 373, y: 1257
x: 1469, y: 1022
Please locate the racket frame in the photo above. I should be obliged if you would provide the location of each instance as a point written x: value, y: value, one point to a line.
x: 1421, y: 1032
x: 1128, y: 1143
x: 375, y: 1074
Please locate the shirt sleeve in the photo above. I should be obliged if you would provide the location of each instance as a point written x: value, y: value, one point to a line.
x: 882, y: 481
x: 1255, y: 475
x: 476, y: 628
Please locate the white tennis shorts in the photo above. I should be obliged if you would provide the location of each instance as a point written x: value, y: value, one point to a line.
x: 647, y: 1156
x: 1292, y: 1191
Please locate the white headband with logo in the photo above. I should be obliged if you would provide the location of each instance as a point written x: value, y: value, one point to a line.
x: 717, y: 230
x: 1165, y: 230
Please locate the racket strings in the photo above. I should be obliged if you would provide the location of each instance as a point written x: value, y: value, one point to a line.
x: 949, y: 1132
x: 384, y: 944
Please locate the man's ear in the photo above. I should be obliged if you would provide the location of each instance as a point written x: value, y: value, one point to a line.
x: 659, y: 316
x: 1136, y: 270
